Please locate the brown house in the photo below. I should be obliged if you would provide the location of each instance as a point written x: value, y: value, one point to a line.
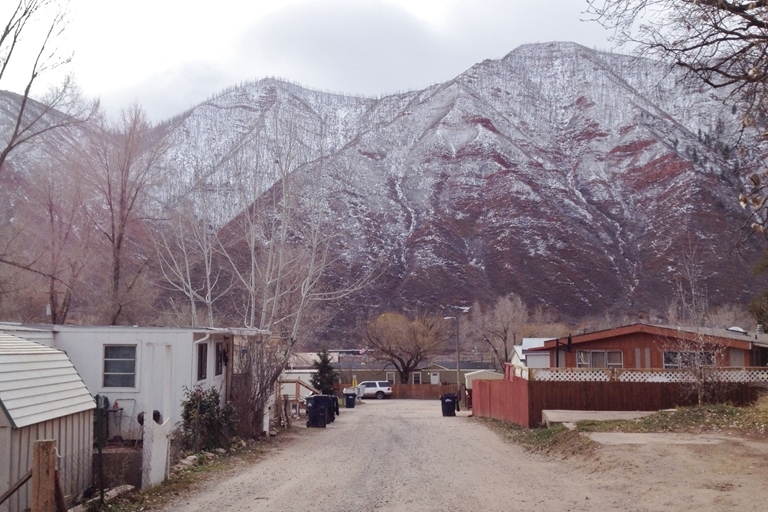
x: 645, y: 346
x: 637, y: 367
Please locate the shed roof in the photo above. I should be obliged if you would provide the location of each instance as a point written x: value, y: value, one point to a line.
x: 38, y: 383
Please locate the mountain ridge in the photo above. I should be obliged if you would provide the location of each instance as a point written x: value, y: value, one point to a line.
x: 572, y: 177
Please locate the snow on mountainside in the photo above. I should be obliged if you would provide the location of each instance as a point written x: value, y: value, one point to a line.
x: 572, y: 177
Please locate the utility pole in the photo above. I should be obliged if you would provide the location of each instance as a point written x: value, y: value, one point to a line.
x: 458, y: 358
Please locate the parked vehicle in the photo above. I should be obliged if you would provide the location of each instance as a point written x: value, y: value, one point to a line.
x: 376, y: 388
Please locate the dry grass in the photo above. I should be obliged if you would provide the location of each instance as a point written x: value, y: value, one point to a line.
x: 555, y: 441
x: 751, y: 421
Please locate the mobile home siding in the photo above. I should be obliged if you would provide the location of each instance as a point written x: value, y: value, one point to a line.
x: 643, y: 345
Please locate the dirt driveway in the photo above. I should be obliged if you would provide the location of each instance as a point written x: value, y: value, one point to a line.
x: 402, y: 455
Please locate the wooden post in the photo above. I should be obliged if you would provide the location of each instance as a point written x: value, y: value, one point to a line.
x: 44, y: 476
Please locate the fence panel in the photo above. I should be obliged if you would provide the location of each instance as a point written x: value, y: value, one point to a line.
x: 422, y: 391
x: 521, y: 401
x: 505, y: 400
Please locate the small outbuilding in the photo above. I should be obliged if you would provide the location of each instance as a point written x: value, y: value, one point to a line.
x: 481, y: 375
x: 42, y: 397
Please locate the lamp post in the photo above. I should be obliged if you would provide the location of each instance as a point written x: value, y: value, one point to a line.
x: 458, y: 360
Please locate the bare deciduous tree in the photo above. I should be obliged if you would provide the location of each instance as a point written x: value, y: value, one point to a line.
x: 187, y: 245
x: 694, y: 349
x: 720, y: 43
x: 49, y: 237
x: 120, y: 163
x: 62, y: 105
x: 405, y: 342
x: 259, y: 361
x: 280, y: 246
x: 501, y: 326
x: 689, y: 304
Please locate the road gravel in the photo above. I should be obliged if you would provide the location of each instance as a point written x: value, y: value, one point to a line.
x: 403, y: 455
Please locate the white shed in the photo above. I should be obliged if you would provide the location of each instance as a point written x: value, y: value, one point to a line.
x: 481, y: 375
x: 42, y: 397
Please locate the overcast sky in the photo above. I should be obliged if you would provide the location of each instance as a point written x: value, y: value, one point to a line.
x: 169, y: 55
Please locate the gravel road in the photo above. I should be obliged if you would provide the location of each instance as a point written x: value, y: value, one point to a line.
x: 402, y: 455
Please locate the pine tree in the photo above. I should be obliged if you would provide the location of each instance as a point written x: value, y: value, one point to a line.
x: 325, y: 374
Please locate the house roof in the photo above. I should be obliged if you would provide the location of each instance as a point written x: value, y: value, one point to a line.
x: 477, y: 373
x: 38, y: 383
x: 26, y: 329
x: 529, y: 343
x: 465, y: 365
x: 726, y: 337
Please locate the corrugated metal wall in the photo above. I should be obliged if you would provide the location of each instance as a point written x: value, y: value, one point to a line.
x: 74, y: 439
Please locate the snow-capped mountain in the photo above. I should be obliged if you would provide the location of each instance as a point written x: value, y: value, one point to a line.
x: 572, y: 177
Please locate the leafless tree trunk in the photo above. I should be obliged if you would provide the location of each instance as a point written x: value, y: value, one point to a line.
x: 697, y: 352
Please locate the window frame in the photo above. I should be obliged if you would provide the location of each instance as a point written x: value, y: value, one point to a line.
x: 105, y: 373
x: 202, y: 361
x: 585, y: 359
x: 414, y: 378
x: 219, y: 367
x: 687, y: 359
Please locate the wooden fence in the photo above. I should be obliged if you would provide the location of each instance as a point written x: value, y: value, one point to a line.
x: 521, y: 401
x: 422, y: 391
x: 414, y: 391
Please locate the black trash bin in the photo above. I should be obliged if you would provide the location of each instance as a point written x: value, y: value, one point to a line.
x: 449, y: 403
x: 326, y: 402
x: 350, y: 400
x: 316, y: 412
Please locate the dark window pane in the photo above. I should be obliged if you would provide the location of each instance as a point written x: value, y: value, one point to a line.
x: 598, y: 359
x: 671, y: 360
x: 202, y: 362
x: 119, y: 352
x: 115, y: 380
x: 119, y: 366
x: 219, y: 358
x: 614, y: 358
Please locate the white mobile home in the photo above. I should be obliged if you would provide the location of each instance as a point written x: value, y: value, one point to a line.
x: 42, y: 397
x: 131, y: 368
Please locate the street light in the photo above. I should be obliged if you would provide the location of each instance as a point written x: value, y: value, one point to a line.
x: 458, y: 361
